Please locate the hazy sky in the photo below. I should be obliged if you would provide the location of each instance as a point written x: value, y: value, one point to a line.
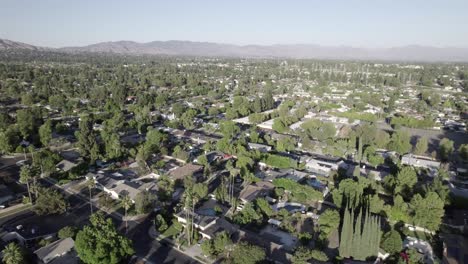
x: 363, y: 23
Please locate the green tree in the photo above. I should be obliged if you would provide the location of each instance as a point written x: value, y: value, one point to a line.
x: 68, y: 231
x: 9, y: 139
x: 428, y: 211
x: 405, y: 180
x: 463, y: 152
x: 126, y: 203
x: 421, y: 146
x: 328, y: 221
x: 91, y: 184
x: 400, y: 142
x: 391, y: 242
x: 86, y: 137
x: 45, y: 133
x: 144, y: 202
x: 25, y: 178
x: 301, y: 255
x: 264, y: 206
x: 445, y: 148
x: 160, y: 223
x: 319, y: 255
x: 229, y: 129
x: 50, y: 202
x: 12, y: 254
x: 245, y: 253
x: 25, y: 121
x: 100, y: 242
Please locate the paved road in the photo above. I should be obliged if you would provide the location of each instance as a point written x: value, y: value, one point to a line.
x: 146, y: 247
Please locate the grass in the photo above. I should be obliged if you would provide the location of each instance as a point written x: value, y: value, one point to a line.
x: 16, y: 210
x: 418, y: 234
x: 170, y: 232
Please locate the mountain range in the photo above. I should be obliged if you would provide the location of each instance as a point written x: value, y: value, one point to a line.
x: 307, y: 51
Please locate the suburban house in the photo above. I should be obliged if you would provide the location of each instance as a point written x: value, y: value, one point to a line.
x: 117, y: 188
x: 323, y: 165
x: 259, y: 147
x: 420, y: 161
x: 60, y: 251
x: 65, y: 165
x: 190, y: 169
x: 253, y: 191
x: 369, y: 173
x: 207, y: 225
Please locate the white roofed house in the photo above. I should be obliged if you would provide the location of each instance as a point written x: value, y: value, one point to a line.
x: 118, y: 188
x: 420, y: 162
x: 259, y: 147
x: 323, y: 165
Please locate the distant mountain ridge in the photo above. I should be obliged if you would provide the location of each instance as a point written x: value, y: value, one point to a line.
x: 308, y: 51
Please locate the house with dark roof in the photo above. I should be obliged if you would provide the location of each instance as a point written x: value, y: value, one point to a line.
x: 253, y: 191
x: 189, y: 169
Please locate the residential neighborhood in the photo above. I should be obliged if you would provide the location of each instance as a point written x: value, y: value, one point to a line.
x: 108, y: 155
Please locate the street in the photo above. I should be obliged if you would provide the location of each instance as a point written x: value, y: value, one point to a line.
x: 146, y: 248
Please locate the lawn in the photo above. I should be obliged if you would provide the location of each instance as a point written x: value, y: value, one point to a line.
x: 171, y: 231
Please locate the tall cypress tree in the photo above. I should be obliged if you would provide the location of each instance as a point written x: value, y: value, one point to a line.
x: 344, y: 240
x: 366, y: 236
x: 357, y: 239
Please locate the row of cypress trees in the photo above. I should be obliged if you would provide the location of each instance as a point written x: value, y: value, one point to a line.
x: 358, y: 239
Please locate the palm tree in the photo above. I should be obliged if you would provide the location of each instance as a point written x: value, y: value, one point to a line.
x: 91, y: 183
x: 12, y: 254
x: 25, y: 177
x: 126, y: 202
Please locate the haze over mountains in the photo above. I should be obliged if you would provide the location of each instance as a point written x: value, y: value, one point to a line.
x: 404, y: 53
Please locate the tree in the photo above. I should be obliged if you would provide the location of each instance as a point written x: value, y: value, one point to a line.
x: 86, y: 137
x: 329, y: 221
x: 178, y: 109
x: 126, y: 203
x: 12, y: 254
x: 229, y: 129
x: 319, y: 255
x: 68, y: 231
x: 25, y: 178
x: 405, y: 180
x: 50, y: 201
x: 25, y: 121
x: 91, y: 184
x: 245, y: 253
x: 445, y: 148
x: 216, y: 246
x: 160, y: 223
x: 463, y: 152
x: 421, y: 146
x: 359, y: 240
x: 9, y: 139
x: 264, y: 206
x: 400, y: 142
x: 144, y: 202
x: 428, y: 211
x: 391, y: 242
x: 100, y: 242
x: 45, y: 133
x: 301, y: 255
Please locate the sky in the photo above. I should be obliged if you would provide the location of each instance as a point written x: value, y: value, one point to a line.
x: 358, y: 23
